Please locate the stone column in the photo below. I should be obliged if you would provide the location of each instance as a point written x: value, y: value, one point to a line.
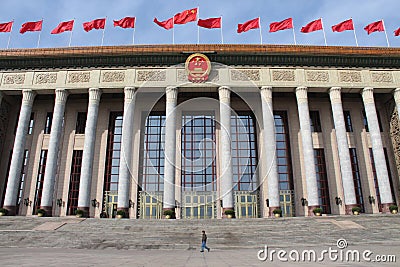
x: 125, y: 163
x: 88, y: 151
x: 14, y: 175
x: 308, y: 149
x: 226, y: 173
x: 350, y: 199
x: 377, y: 149
x: 53, y: 150
x: 270, y: 148
x: 170, y: 148
x: 396, y: 94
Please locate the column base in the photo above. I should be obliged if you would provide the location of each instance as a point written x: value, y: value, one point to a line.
x: 311, y: 210
x: 126, y: 212
x: 229, y: 215
x: 85, y: 211
x: 48, y: 210
x: 348, y: 208
x: 271, y: 211
x: 169, y: 213
x: 385, y: 207
x: 12, y: 210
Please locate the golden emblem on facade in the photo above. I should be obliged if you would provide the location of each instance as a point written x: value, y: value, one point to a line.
x: 198, y: 67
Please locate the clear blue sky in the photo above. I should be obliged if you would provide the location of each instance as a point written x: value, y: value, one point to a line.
x: 233, y: 12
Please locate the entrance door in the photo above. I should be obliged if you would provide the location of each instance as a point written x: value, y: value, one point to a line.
x: 287, y: 203
x: 110, y: 204
x: 150, y: 205
x: 199, y: 205
x: 246, y: 205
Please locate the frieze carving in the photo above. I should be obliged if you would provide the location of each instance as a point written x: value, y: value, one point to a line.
x: 183, y: 77
x: 283, y: 75
x: 151, y: 75
x: 113, y: 76
x: 382, y: 77
x: 317, y: 76
x: 42, y: 78
x: 79, y: 77
x: 14, y: 79
x: 350, y: 76
x: 245, y: 75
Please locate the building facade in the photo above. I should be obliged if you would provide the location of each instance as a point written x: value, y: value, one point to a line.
x: 103, y: 129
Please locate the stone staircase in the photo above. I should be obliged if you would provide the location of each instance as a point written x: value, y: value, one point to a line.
x: 70, y: 232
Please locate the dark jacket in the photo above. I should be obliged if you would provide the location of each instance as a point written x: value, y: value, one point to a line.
x: 204, y: 237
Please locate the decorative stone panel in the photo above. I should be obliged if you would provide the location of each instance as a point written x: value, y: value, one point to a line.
x: 13, y: 78
x: 151, y: 75
x: 41, y: 78
x: 350, y: 76
x: 78, y: 77
x: 283, y: 75
x: 317, y: 76
x: 183, y: 76
x: 245, y: 75
x: 382, y: 77
x: 113, y: 76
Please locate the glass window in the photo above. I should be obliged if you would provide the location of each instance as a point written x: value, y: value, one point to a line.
x: 31, y: 123
x: 315, y: 122
x: 39, y: 180
x: 81, y: 123
x: 356, y: 178
x: 49, y: 121
x: 322, y: 180
x: 74, y: 182
x: 347, y: 121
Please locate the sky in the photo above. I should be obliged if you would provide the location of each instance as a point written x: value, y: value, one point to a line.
x: 233, y: 12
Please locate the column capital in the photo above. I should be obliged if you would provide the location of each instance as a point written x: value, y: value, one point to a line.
x: 266, y: 93
x: 129, y: 93
x: 171, y: 93
x: 396, y: 94
x: 301, y: 94
x: 28, y: 96
x: 94, y: 94
x: 61, y: 95
x: 224, y: 93
x: 368, y: 95
x: 335, y: 95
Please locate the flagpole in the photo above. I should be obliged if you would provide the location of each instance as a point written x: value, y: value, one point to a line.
x: 384, y: 28
x: 354, y: 31
x: 39, y: 37
x: 9, y: 36
x: 323, y: 30
x: 198, y: 28
x: 70, y: 37
x: 133, y: 38
x: 259, y: 22
x: 294, y: 35
x: 173, y: 30
x: 102, y: 38
x: 222, y: 35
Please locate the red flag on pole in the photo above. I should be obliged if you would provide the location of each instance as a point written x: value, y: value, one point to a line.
x: 376, y: 26
x: 127, y: 22
x: 63, y: 27
x: 346, y: 25
x: 186, y: 16
x: 210, y: 23
x: 94, y: 24
x: 249, y: 25
x: 6, y: 27
x: 313, y: 26
x: 166, y: 24
x: 281, y: 25
x: 31, y: 26
x: 397, y: 32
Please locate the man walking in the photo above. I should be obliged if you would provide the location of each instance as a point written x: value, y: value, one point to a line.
x: 204, y: 242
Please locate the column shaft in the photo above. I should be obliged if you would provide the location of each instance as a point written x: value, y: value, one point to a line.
x: 125, y: 163
x: 170, y: 148
x: 88, y: 150
x: 226, y: 173
x: 269, y: 151
x: 396, y: 94
x: 14, y: 176
x: 343, y: 149
x: 308, y: 149
x: 53, y: 151
x: 377, y: 149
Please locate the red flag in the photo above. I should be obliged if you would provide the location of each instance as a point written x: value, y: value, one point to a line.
x: 6, y: 27
x: 376, y: 26
x: 210, y: 23
x: 127, y: 22
x: 31, y: 26
x: 63, y: 27
x: 397, y: 32
x: 186, y: 16
x: 94, y: 24
x: 282, y: 25
x: 166, y: 24
x: 249, y: 25
x: 315, y: 25
x: 346, y: 25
